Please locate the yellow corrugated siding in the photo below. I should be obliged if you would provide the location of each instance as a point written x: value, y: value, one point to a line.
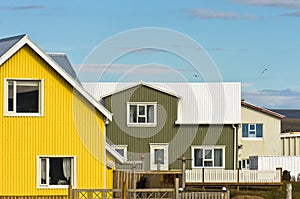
x: 109, y: 173
x: 70, y: 126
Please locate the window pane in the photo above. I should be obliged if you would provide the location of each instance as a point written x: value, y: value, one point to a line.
x: 120, y: 151
x: 218, y: 157
x: 59, y: 171
x: 150, y: 114
x: 159, y: 153
x: 10, y: 96
x: 43, y: 171
x: 208, y: 163
x: 27, y: 97
x: 245, y: 130
x: 141, y: 120
x: 198, y: 157
x: 252, y: 134
x: 208, y: 154
x: 142, y: 110
x: 133, y: 114
x: 259, y: 130
x: 251, y: 127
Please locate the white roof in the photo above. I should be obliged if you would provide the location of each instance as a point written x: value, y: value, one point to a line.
x: 199, y: 103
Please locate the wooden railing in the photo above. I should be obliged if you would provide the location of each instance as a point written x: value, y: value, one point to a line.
x: 95, y: 193
x: 232, y: 176
x: 151, y: 193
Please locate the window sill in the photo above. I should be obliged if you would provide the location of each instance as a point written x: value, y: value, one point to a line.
x: 141, y: 125
x: 53, y: 186
x: 23, y: 115
x: 254, y: 139
x: 199, y: 168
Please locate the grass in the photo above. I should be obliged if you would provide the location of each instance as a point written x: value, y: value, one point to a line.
x: 267, y: 192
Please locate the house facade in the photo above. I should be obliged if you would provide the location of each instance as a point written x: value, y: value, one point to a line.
x: 259, y: 134
x: 53, y: 132
x: 164, y: 122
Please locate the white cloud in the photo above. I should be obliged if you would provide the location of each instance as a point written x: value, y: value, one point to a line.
x: 292, y: 4
x: 212, y: 14
x: 273, y: 98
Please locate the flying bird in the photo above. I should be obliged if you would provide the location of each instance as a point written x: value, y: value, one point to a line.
x: 262, y: 72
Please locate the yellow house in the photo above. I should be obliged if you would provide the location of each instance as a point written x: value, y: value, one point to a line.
x: 52, y: 131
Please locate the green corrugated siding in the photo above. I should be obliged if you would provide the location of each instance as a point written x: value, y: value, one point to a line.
x: 180, y: 137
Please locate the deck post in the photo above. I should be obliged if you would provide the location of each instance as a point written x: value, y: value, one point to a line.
x: 238, y: 179
x: 280, y: 187
x: 143, y: 163
x: 70, y: 191
x: 134, y: 178
x: 176, y: 188
x: 183, y: 171
x: 124, y: 186
x: 289, y: 191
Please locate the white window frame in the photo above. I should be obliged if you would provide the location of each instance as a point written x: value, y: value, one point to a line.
x: 165, y: 147
x: 122, y: 147
x: 254, y: 135
x: 251, y: 132
x: 47, y: 185
x: 41, y: 97
x: 130, y: 124
x: 212, y: 158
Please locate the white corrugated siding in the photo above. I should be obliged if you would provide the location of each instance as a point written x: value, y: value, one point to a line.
x: 200, y: 103
x: 289, y: 163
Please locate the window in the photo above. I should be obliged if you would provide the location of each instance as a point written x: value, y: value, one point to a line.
x: 208, y: 156
x: 252, y: 130
x: 122, y: 150
x: 56, y: 171
x: 23, y: 97
x: 141, y: 114
x: 244, y: 164
x: 159, y: 152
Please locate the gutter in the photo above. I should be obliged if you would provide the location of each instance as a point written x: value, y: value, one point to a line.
x: 234, y: 147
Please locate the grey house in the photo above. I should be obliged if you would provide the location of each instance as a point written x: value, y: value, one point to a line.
x: 164, y: 121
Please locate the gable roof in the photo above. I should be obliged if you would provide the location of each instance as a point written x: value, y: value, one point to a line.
x: 9, y: 46
x: 263, y: 110
x: 199, y: 103
x: 141, y: 83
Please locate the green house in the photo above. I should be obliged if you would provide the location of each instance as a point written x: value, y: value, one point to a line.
x: 163, y: 122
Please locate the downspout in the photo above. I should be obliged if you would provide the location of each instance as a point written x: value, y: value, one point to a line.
x: 234, y: 147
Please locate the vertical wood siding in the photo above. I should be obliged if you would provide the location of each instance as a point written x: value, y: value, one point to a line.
x: 70, y: 126
x: 138, y: 138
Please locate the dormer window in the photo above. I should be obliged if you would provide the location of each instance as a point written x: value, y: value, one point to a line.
x: 141, y: 114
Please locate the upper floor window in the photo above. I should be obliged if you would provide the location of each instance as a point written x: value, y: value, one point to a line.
x: 23, y: 97
x: 141, y: 114
x: 252, y: 130
x: 208, y: 156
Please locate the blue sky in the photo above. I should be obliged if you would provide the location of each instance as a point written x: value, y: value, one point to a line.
x: 255, y: 42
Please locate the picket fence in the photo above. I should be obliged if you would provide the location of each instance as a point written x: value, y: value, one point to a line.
x: 232, y: 176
